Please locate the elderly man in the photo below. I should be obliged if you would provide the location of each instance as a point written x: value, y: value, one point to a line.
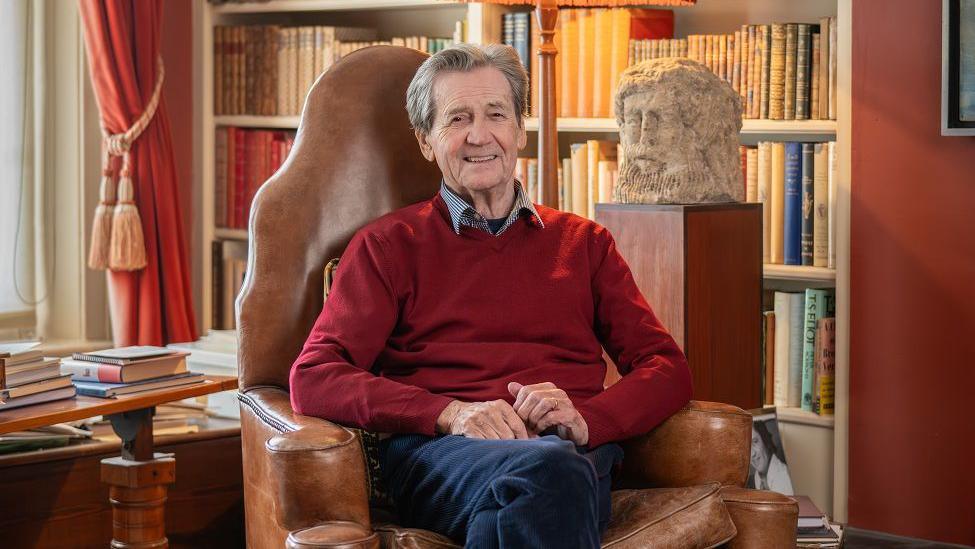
x: 470, y: 328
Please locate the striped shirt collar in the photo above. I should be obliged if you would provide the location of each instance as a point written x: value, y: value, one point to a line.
x: 462, y: 213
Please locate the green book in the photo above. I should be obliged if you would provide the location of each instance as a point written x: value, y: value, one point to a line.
x: 817, y: 305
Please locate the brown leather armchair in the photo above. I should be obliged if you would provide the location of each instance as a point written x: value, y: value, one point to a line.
x: 306, y: 481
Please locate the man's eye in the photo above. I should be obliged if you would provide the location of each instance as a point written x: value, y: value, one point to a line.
x: 498, y: 115
x: 457, y: 119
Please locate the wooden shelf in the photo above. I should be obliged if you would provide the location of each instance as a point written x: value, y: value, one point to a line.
x: 595, y: 125
x: 286, y: 6
x: 794, y: 272
x: 254, y: 121
x: 798, y: 415
x: 230, y: 234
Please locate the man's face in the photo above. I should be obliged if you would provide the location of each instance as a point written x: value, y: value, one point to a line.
x: 475, y: 136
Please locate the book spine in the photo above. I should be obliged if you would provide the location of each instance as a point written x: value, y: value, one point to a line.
x: 766, y: 75
x: 216, y: 276
x: 789, y: 98
x: 802, y: 72
x: 736, y: 63
x: 832, y: 68
x: 764, y: 188
x: 282, y: 83
x: 508, y: 29
x: 521, y: 38
x: 92, y: 371
x: 808, y: 204
x: 776, y: 100
x: 781, y: 361
x: 792, y: 216
x: 820, y: 206
x: 813, y: 312
x: 777, y: 193
x: 831, y: 205
x: 220, y: 178
x: 218, y: 60
x: 768, y: 357
x: 795, y: 349
x: 824, y: 68
x: 586, y: 67
x: 751, y: 174
x: 240, y: 177
x: 824, y: 385
x: 814, y: 79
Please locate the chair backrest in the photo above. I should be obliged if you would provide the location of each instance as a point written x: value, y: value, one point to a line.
x: 354, y: 159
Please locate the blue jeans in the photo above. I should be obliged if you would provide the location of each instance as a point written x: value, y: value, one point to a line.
x: 543, y: 492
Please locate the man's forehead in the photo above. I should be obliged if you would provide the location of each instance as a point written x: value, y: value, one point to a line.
x: 478, y: 87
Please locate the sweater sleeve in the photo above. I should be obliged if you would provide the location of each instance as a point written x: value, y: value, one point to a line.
x: 656, y: 380
x: 331, y: 378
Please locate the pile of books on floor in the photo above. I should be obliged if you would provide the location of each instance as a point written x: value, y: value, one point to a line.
x: 173, y: 418
x: 128, y: 370
x: 815, y: 530
x: 27, y: 377
x: 39, y: 438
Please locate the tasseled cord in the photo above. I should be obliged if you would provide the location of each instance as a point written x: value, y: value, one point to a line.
x: 101, y: 227
x: 117, y: 241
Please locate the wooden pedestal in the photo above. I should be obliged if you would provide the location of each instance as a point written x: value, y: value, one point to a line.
x: 700, y: 268
x: 137, y: 490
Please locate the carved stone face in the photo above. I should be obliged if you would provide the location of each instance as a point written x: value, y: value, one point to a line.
x: 654, y: 135
x: 679, y: 127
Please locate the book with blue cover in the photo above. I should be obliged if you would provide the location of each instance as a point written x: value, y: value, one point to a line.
x: 792, y: 217
x: 109, y: 390
x: 808, y: 203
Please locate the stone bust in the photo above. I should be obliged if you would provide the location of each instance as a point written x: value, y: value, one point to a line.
x: 679, y: 126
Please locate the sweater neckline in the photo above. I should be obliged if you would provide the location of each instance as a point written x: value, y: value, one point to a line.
x: 497, y: 242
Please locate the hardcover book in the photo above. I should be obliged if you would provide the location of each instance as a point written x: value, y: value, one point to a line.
x: 792, y: 216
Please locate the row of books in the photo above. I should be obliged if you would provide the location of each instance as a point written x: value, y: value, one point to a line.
x: 782, y: 71
x: 588, y: 176
x: 244, y: 160
x: 28, y: 377
x: 799, y: 358
x: 644, y: 50
x: 268, y: 69
x: 229, y: 265
x: 796, y: 183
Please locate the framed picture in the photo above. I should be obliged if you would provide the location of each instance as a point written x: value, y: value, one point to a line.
x: 958, y: 67
x: 767, y: 469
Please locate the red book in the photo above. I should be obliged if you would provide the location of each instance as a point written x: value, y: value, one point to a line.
x: 651, y: 24
x: 240, y: 177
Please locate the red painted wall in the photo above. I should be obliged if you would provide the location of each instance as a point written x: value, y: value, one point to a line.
x: 912, y: 356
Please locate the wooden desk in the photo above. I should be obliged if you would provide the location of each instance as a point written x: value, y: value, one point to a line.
x: 138, y: 479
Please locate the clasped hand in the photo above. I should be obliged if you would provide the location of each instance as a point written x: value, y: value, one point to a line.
x: 537, y: 407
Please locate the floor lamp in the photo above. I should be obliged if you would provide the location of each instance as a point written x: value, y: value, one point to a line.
x: 547, y: 15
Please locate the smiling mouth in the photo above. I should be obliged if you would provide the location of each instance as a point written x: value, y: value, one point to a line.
x: 480, y: 159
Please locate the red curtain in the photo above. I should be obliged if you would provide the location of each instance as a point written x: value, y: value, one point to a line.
x: 154, y: 305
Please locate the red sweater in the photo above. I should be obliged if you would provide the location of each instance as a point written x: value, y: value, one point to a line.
x: 419, y: 315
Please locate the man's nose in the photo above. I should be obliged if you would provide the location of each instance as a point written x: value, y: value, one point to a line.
x: 479, y: 133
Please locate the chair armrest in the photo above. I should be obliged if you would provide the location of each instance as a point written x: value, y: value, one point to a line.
x: 704, y: 442
x: 315, y: 468
x: 333, y: 535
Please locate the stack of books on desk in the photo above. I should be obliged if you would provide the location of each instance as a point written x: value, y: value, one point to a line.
x: 814, y: 528
x: 27, y: 377
x: 128, y: 370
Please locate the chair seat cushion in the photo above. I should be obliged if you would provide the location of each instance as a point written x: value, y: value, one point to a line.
x: 692, y: 517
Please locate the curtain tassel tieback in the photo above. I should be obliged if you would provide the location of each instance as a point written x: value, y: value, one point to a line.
x: 117, y: 241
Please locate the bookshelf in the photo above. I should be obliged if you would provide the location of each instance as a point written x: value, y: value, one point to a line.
x: 822, y: 442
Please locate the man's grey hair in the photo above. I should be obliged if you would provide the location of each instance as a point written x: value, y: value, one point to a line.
x: 464, y: 58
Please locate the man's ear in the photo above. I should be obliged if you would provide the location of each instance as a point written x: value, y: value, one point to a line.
x: 425, y: 148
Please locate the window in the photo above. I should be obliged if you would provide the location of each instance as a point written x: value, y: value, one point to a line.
x: 17, y: 297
